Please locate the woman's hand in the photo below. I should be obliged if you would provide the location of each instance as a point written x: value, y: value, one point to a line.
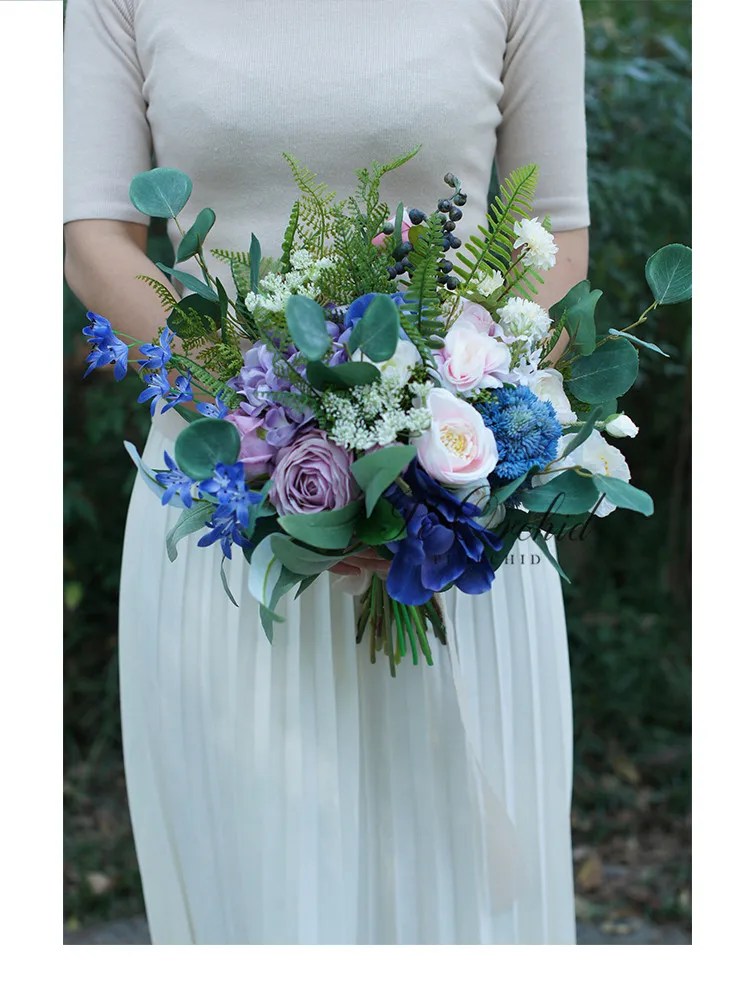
x: 368, y: 560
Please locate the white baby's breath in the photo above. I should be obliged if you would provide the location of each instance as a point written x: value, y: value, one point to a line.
x: 371, y: 416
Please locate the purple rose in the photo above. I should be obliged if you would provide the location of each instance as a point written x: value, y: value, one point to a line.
x: 312, y: 475
x: 255, y: 453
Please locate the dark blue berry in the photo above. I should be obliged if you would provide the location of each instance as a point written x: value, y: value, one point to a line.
x: 399, y: 268
x: 460, y: 198
x: 449, y: 226
x: 392, y: 272
x: 388, y: 228
x: 451, y: 282
x: 444, y: 205
x: 455, y: 242
x: 455, y: 214
x: 446, y: 244
x: 416, y: 216
x: 445, y: 266
x: 450, y: 179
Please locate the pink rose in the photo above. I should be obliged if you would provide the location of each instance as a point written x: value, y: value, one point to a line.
x: 380, y: 238
x: 255, y: 453
x: 478, y: 316
x: 458, y: 449
x: 471, y: 359
x: 312, y: 475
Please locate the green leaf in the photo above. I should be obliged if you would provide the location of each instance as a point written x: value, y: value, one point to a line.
x: 190, y: 281
x: 300, y: 560
x: 225, y: 582
x: 305, y: 583
x: 162, y: 192
x: 586, y: 430
x: 669, y: 273
x: 376, y: 333
x: 542, y: 544
x: 287, y: 580
x: 254, y: 263
x: 326, y: 530
x: 204, y: 444
x: 192, y: 241
x: 376, y: 472
x: 575, y: 493
x: 190, y: 521
x: 307, y: 325
x: 186, y: 413
x: 397, y: 237
x: 385, y: 525
x: 497, y: 557
x: 223, y: 308
x: 638, y: 341
x: 344, y: 376
x: 263, y: 575
x: 208, y: 307
x: 624, y: 495
x: 499, y: 495
x: 605, y: 374
x: 579, y: 304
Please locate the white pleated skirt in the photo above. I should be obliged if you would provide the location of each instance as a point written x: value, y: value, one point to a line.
x: 295, y: 793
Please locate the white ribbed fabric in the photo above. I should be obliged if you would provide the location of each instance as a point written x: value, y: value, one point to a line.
x: 297, y: 794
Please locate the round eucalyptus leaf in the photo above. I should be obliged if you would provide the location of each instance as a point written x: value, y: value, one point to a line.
x: 204, y: 444
x: 669, y: 273
x: 306, y: 321
x: 608, y: 372
x: 161, y: 192
x: 195, y: 236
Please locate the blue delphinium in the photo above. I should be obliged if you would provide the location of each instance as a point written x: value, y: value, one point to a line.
x: 106, y: 346
x: 443, y: 544
x: 175, y: 482
x: 181, y: 392
x: 158, y: 355
x: 526, y: 430
x: 232, y: 516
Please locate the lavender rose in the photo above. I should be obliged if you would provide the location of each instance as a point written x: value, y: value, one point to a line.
x: 312, y: 475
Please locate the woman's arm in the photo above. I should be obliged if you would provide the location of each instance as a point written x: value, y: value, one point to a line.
x: 571, y: 267
x: 103, y: 257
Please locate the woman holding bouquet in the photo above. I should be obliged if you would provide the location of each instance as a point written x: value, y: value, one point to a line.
x: 294, y: 793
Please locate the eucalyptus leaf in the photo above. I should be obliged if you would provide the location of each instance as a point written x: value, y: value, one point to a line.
x: 265, y: 570
x: 500, y: 495
x: 669, y: 273
x: 254, y: 263
x: 204, y: 444
x: 190, y: 521
x: 624, y: 495
x: 376, y: 472
x: 299, y: 559
x: 326, y: 530
x: 607, y: 373
x: 344, y: 376
x: 225, y: 582
x: 579, y: 305
x: 192, y: 241
x: 161, y: 192
x: 223, y: 308
x: 190, y: 281
x: 542, y: 544
x: 377, y: 331
x: 638, y: 341
x: 306, y: 321
x: 586, y: 430
x: 205, y: 306
x: 385, y: 525
x: 568, y: 494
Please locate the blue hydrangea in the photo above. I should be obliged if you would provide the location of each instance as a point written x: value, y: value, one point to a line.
x: 443, y: 545
x: 526, y: 430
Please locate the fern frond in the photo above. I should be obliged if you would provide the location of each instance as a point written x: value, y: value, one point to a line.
x: 164, y: 294
x: 421, y: 308
x: 369, y: 181
x: 231, y: 256
x: 205, y: 379
x: 552, y: 340
x: 314, y: 207
x: 288, y: 241
x: 493, y: 250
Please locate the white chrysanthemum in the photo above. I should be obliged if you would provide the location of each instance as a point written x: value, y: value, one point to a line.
x: 489, y: 283
x: 540, y: 243
x: 596, y: 456
x: 523, y: 320
x: 620, y: 425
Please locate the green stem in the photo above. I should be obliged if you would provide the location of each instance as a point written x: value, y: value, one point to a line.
x: 410, y: 617
x: 387, y: 635
x: 398, y: 618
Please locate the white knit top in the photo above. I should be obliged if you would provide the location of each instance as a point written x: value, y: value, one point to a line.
x: 220, y: 88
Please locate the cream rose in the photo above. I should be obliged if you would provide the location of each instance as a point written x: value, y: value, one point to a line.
x: 400, y: 365
x: 458, y: 449
x: 470, y: 359
x: 620, y: 425
x: 548, y: 384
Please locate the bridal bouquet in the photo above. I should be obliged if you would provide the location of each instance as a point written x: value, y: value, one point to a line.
x: 382, y: 387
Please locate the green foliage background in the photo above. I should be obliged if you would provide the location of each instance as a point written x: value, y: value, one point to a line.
x: 628, y: 607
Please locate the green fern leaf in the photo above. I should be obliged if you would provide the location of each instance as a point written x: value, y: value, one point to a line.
x: 164, y: 294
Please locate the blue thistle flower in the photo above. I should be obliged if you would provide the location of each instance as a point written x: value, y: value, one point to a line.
x: 444, y: 545
x: 157, y: 356
x: 175, y: 482
x: 106, y: 346
x: 526, y: 430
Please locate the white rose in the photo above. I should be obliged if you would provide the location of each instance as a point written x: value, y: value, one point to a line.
x: 620, y: 426
x: 548, y: 384
x: 400, y: 365
x: 596, y: 456
x: 471, y: 359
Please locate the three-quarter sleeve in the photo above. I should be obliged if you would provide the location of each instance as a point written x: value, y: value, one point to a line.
x: 106, y: 133
x: 543, y: 108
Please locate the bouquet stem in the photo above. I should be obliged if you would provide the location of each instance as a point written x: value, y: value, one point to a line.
x: 396, y: 628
